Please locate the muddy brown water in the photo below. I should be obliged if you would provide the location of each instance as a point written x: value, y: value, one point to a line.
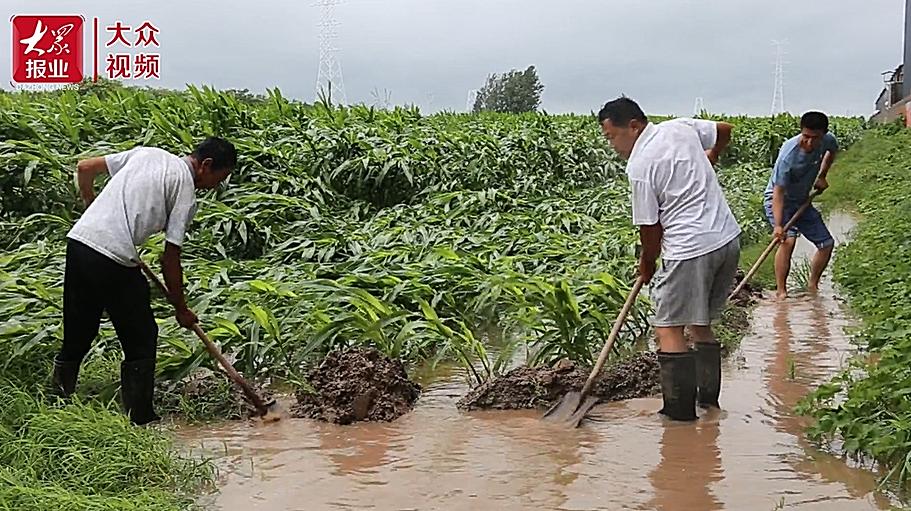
x: 753, y: 455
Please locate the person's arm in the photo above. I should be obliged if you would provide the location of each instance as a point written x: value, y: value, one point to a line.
x: 86, y: 172
x: 778, y: 212
x: 722, y: 139
x: 650, y: 239
x: 646, y: 211
x: 173, y: 278
x: 827, y: 160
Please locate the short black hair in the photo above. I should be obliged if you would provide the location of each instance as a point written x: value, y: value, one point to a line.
x: 222, y: 152
x: 816, y: 121
x: 621, y: 111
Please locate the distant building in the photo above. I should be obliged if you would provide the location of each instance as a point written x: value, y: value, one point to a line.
x: 896, y: 92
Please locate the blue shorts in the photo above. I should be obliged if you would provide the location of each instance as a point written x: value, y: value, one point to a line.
x: 810, y: 225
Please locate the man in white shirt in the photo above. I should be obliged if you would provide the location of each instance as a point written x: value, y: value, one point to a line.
x: 150, y: 191
x: 683, y: 216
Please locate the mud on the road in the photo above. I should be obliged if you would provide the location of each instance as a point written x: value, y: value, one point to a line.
x: 534, y: 387
x: 355, y: 385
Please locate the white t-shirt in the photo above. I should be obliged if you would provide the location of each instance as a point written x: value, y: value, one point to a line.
x: 673, y: 182
x: 150, y: 190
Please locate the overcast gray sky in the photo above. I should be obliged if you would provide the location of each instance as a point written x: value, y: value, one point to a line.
x: 664, y: 53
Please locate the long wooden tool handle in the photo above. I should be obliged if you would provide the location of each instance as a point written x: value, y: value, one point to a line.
x: 211, y: 347
x: 772, y: 245
x: 614, y: 333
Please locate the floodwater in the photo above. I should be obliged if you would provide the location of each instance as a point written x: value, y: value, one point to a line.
x: 750, y: 456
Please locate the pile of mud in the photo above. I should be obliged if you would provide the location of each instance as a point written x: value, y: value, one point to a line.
x: 750, y: 293
x: 204, y: 395
x: 535, y: 387
x: 355, y: 385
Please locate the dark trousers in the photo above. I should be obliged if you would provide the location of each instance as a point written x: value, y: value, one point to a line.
x: 93, y: 283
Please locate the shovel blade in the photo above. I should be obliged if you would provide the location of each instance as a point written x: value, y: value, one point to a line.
x: 570, y: 410
x: 582, y: 411
x: 564, y: 408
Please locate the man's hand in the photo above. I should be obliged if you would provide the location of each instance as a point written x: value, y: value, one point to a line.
x: 87, y: 199
x: 186, y: 317
x: 779, y: 234
x: 821, y: 184
x: 647, y: 270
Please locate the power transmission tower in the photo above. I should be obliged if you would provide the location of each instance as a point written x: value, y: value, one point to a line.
x: 778, y: 94
x: 699, y: 107
x: 472, y: 96
x: 381, y: 99
x: 329, y: 81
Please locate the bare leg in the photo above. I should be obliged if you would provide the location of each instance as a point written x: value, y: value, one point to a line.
x: 783, y: 266
x: 818, y: 265
x: 671, y: 339
x: 702, y: 334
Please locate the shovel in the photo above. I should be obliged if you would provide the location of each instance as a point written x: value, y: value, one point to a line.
x: 774, y: 243
x: 268, y: 411
x: 572, y: 408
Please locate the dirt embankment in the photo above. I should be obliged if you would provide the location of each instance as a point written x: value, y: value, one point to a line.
x: 528, y: 387
x: 357, y: 384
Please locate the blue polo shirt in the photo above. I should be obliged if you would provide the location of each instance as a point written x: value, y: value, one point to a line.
x: 796, y: 170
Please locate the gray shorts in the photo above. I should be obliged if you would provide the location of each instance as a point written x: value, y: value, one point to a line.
x: 694, y: 291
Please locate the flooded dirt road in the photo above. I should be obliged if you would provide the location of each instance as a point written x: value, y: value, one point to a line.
x: 750, y: 456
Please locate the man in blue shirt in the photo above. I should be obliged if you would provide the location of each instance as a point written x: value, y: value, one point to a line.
x: 803, y: 163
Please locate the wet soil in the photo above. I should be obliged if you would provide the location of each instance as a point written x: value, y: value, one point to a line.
x: 357, y: 385
x: 528, y: 387
x: 205, y: 394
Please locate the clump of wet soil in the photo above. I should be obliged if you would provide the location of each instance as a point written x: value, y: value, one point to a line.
x: 204, y: 395
x: 535, y: 387
x: 750, y: 293
x: 357, y: 384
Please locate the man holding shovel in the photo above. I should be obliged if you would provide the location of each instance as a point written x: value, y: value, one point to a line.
x: 150, y: 191
x: 803, y: 163
x: 683, y: 215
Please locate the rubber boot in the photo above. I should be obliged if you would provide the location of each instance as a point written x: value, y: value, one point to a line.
x: 678, y: 385
x: 63, y: 379
x: 708, y: 373
x: 137, y: 389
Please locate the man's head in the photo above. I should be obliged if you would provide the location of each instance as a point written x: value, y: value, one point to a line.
x: 621, y: 122
x: 813, y: 126
x: 214, y: 159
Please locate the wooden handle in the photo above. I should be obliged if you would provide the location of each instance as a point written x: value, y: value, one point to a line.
x: 232, y: 373
x: 615, y: 331
x: 211, y: 347
x: 773, y: 244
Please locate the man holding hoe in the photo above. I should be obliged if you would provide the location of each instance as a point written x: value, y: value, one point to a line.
x: 150, y: 190
x: 683, y: 216
x: 803, y: 163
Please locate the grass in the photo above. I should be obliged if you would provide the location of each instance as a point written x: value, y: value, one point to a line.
x: 88, y: 457
x: 765, y: 276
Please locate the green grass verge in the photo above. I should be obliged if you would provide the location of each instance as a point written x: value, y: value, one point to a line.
x: 868, y: 405
x: 88, y: 457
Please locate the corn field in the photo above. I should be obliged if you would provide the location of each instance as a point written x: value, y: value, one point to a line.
x: 418, y: 235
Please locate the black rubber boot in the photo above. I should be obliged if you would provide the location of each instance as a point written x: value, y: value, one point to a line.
x: 708, y: 373
x: 678, y: 385
x: 137, y: 388
x: 63, y: 380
